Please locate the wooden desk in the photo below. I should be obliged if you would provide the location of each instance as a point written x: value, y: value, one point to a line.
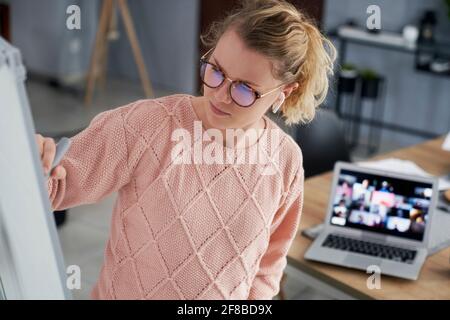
x: 434, y: 279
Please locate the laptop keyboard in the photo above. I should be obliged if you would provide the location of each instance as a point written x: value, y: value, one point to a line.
x: 369, y: 248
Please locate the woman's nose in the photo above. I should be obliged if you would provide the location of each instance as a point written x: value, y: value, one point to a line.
x: 222, y: 93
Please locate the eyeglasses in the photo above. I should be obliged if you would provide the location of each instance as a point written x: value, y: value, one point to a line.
x: 240, y: 92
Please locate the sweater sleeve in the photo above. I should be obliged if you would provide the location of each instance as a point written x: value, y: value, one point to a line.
x: 283, y: 230
x: 98, y: 162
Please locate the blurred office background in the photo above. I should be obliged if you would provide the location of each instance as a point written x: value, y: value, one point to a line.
x: 411, y: 103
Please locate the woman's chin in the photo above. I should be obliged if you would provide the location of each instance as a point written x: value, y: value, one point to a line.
x: 220, y: 123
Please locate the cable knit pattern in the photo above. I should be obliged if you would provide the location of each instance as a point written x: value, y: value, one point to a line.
x: 182, y: 231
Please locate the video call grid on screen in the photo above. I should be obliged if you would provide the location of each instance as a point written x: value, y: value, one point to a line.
x: 380, y: 204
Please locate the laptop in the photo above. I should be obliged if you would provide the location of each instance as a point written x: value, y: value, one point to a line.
x: 377, y: 218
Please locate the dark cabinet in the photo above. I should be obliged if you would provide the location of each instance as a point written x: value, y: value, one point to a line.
x: 5, y: 22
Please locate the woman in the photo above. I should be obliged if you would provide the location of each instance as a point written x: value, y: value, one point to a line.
x: 205, y: 229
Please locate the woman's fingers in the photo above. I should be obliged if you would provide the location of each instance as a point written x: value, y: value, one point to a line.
x: 48, y: 154
x: 47, y: 151
x: 40, y: 144
x: 59, y: 173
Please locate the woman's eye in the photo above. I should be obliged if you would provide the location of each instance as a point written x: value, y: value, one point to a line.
x: 215, y: 69
x: 246, y: 86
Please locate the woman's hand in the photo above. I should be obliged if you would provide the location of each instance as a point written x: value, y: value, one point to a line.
x: 47, y: 150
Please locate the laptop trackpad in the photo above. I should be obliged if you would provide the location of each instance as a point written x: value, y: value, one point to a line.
x: 362, y: 261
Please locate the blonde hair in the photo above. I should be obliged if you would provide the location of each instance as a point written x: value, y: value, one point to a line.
x: 297, y: 49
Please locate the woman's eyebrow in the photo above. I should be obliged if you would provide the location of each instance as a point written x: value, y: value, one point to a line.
x: 249, y: 82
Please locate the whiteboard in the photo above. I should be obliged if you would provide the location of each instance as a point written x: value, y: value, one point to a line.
x: 31, y: 261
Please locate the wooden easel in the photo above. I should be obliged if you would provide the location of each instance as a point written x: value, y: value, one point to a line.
x: 106, y: 32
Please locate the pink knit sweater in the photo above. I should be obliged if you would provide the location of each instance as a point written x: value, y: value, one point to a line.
x: 182, y: 231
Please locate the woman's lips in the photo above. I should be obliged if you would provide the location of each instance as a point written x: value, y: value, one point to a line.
x: 218, y: 111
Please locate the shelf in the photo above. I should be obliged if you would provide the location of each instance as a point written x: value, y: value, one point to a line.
x: 428, y: 71
x: 385, y: 39
x: 393, y: 41
x: 388, y: 40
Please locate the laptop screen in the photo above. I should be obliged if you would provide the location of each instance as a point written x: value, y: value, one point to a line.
x: 381, y: 204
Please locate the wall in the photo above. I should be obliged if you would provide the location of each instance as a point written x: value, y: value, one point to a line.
x: 47, y: 46
x: 167, y: 31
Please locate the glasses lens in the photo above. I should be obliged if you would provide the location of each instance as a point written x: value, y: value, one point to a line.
x: 211, y: 76
x: 242, y: 94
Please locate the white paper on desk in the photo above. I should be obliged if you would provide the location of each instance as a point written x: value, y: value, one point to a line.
x: 446, y: 144
x: 405, y: 167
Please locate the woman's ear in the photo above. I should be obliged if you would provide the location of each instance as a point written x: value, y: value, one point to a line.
x: 289, y: 88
